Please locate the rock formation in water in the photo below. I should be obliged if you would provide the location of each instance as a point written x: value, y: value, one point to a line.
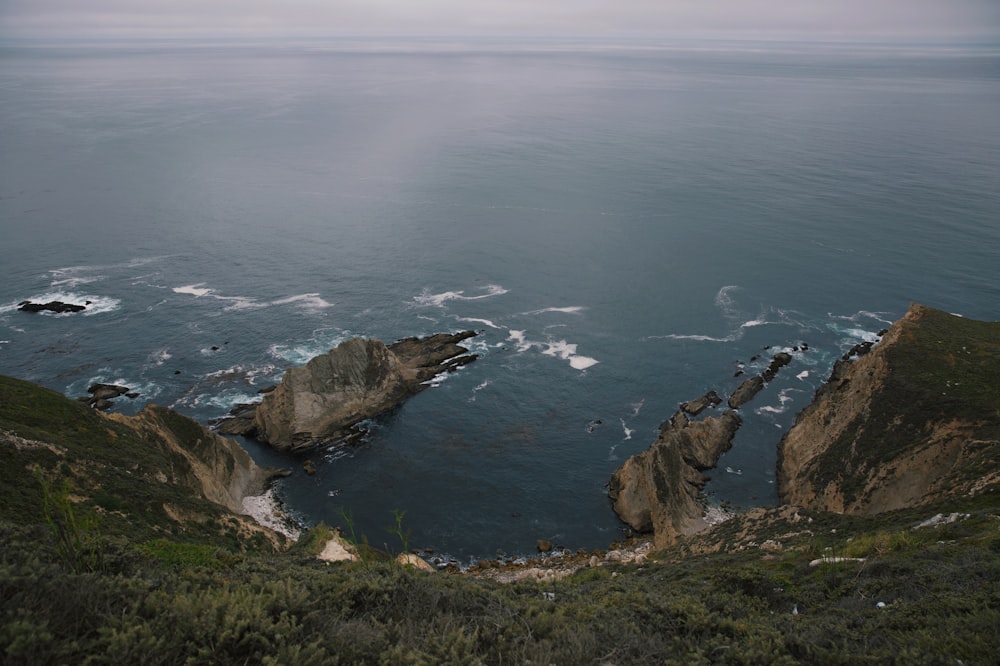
x: 914, y: 419
x: 323, y: 400
x: 746, y: 391
x: 659, y: 490
x: 52, y: 306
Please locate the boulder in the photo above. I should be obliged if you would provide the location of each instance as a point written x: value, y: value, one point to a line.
x: 659, y: 490
x: 322, y: 401
x: 414, y: 562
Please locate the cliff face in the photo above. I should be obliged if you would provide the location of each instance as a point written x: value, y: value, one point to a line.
x: 154, y: 474
x: 211, y: 466
x: 914, y: 420
x: 322, y: 400
x: 659, y: 489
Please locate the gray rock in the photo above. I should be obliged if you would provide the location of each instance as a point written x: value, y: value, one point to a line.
x: 746, y: 391
x: 325, y: 399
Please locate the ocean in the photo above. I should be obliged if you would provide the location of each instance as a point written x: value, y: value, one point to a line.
x: 628, y: 225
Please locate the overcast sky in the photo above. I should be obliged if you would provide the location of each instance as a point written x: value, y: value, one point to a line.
x: 797, y: 19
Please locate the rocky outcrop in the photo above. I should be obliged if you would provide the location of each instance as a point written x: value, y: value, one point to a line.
x: 52, y: 306
x: 746, y: 391
x: 698, y: 405
x: 323, y: 400
x: 912, y: 419
x: 659, y: 490
x: 101, y: 395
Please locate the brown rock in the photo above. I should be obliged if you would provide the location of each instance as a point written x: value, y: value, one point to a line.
x: 659, y: 490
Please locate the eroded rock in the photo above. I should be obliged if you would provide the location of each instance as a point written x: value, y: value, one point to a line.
x: 659, y: 490
x: 325, y: 399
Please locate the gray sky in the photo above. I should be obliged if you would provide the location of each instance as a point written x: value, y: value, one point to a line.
x: 808, y: 19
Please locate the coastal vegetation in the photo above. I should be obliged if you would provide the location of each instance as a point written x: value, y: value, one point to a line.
x: 116, y: 547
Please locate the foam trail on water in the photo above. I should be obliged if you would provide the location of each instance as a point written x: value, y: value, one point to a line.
x: 474, y: 320
x: 636, y: 406
x: 438, y: 300
x: 572, y: 309
x: 628, y: 431
x: 479, y: 388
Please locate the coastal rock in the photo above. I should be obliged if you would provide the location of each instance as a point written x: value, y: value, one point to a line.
x: 746, y: 391
x: 107, y: 391
x: 101, y: 395
x: 913, y: 419
x: 338, y: 549
x: 52, y: 306
x: 698, y: 405
x: 414, y: 562
x: 779, y: 360
x: 323, y: 400
x: 659, y: 490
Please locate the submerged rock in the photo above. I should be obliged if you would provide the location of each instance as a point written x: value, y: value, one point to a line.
x: 323, y: 400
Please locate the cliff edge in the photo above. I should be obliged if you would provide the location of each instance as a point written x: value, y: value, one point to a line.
x: 914, y: 420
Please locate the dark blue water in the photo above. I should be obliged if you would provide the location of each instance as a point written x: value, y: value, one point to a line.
x: 627, y: 225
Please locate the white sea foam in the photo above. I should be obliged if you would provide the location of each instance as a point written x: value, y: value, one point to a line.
x: 479, y: 388
x: 75, y: 281
x: 637, y: 406
x: 572, y: 309
x: 567, y: 352
x: 730, y: 470
x: 784, y: 397
x: 310, y: 302
x: 519, y: 337
x: 159, y: 357
x: 628, y: 431
x: 438, y: 300
x: 802, y: 375
x: 473, y: 320
x: 302, y: 353
x: 196, y: 290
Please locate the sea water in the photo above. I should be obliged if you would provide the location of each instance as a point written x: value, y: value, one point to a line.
x: 627, y: 225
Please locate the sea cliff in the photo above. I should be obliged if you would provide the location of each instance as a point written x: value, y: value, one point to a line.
x: 914, y: 420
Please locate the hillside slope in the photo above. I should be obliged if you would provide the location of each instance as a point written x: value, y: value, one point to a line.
x: 915, y: 420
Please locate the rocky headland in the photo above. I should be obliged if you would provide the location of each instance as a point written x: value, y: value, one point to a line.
x: 322, y: 401
x: 913, y: 419
x: 659, y: 490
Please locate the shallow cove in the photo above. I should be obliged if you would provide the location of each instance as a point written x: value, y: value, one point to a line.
x: 627, y: 225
